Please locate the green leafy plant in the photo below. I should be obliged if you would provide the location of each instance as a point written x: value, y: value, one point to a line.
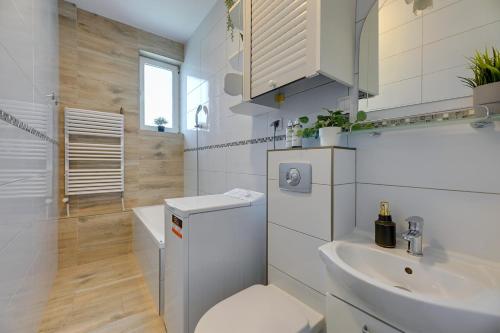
x: 485, y: 69
x: 229, y: 21
x: 337, y: 118
x: 160, y: 121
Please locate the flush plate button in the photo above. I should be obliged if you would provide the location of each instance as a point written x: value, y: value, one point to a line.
x: 295, y: 177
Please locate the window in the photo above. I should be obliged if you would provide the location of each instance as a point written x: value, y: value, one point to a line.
x: 159, y: 94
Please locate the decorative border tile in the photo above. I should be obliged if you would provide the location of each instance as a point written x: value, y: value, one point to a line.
x: 240, y: 143
x: 10, y: 119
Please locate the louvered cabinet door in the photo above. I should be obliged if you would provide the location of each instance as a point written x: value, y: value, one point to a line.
x: 284, y: 36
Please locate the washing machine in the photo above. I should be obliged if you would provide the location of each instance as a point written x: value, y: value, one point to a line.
x: 215, y: 246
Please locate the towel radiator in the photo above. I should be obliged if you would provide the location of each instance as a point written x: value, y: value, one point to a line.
x: 94, y: 153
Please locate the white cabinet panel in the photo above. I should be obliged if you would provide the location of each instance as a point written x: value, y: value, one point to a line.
x: 290, y: 40
x: 344, y: 212
x: 281, y: 39
x: 320, y: 160
x: 297, y: 255
x: 309, y: 213
x: 344, y: 166
x: 341, y: 317
x: 297, y: 289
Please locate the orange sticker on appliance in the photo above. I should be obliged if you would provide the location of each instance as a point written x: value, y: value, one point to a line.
x: 177, y: 231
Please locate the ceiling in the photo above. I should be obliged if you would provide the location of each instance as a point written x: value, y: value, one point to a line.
x: 174, y: 19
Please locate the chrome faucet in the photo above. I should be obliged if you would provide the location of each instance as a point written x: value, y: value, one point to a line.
x: 414, y: 235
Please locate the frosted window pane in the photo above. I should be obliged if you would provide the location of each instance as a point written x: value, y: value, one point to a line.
x: 157, y: 95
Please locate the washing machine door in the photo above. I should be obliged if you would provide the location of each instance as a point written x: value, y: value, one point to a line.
x: 175, y: 286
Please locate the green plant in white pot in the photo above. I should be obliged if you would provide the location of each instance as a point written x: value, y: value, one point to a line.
x: 486, y: 77
x: 328, y: 127
x: 161, y: 122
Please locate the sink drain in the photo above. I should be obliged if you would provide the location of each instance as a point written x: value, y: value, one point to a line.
x: 403, y: 288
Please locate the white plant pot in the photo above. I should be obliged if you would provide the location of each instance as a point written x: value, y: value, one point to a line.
x: 487, y: 94
x: 329, y: 136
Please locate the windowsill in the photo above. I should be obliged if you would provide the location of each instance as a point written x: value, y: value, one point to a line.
x: 156, y: 133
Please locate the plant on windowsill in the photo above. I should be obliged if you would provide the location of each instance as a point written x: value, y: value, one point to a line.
x: 161, y: 122
x: 327, y: 127
x: 229, y: 21
x: 486, y: 77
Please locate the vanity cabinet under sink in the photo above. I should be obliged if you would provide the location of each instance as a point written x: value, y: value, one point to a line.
x: 343, y: 317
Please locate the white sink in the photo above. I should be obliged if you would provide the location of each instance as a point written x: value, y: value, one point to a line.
x: 439, y: 292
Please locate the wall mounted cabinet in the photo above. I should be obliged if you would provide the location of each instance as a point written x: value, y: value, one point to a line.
x: 291, y: 40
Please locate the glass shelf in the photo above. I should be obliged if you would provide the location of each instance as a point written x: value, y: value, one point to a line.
x: 477, y: 118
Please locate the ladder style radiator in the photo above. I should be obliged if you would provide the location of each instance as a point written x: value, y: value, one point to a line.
x: 27, y: 170
x: 94, y: 153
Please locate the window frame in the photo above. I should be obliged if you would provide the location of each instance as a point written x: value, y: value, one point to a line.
x: 143, y: 61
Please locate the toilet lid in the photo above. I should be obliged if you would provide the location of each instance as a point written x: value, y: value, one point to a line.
x: 260, y: 309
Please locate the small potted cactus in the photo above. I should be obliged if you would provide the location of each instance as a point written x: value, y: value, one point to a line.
x: 161, y: 122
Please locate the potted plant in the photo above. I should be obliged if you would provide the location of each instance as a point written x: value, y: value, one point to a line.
x: 161, y: 122
x: 486, y: 77
x: 229, y: 21
x: 327, y: 127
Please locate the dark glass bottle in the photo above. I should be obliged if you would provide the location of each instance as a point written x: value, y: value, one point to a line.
x: 385, y: 229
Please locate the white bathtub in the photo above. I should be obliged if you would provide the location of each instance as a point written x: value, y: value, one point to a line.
x: 149, y: 248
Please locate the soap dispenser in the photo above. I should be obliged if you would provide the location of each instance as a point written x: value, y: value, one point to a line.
x: 385, y: 229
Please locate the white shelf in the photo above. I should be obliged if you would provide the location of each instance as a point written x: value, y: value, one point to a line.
x: 236, y: 60
x: 251, y: 109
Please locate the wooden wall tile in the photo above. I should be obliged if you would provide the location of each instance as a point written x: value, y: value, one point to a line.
x: 99, y: 70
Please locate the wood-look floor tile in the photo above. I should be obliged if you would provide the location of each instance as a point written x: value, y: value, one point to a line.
x: 108, y: 296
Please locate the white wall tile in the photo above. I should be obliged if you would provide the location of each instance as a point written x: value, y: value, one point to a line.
x: 292, y: 209
x: 458, y: 18
x: 250, y: 159
x: 445, y: 85
x: 212, y: 182
x: 454, y: 51
x: 454, y: 157
x: 241, y: 180
x: 406, y: 37
x: 401, y: 93
x: 400, y: 67
x: 454, y: 221
x: 212, y: 160
x: 28, y: 228
x: 311, y: 270
x: 395, y: 14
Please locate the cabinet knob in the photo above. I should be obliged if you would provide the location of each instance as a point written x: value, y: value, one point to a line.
x: 365, y: 329
x: 272, y: 84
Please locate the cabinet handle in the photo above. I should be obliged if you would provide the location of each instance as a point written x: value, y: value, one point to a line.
x: 272, y: 83
x: 365, y: 329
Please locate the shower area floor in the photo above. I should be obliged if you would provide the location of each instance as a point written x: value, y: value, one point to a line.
x: 106, y: 296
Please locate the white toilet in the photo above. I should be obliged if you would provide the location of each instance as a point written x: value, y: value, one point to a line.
x: 261, y: 309
x: 302, y: 216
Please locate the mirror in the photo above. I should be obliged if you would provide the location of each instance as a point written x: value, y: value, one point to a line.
x: 412, y: 53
